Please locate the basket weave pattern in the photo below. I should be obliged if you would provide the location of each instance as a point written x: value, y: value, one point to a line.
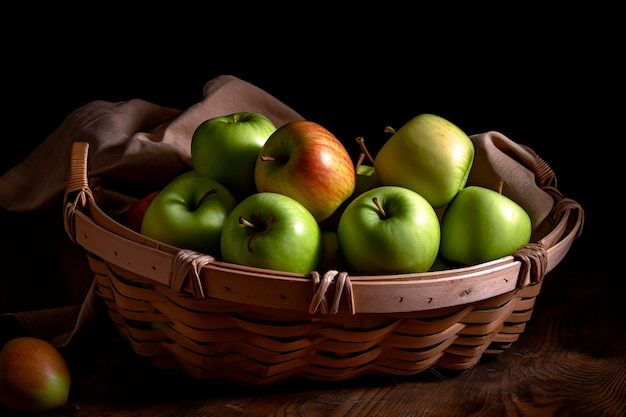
x: 227, y: 323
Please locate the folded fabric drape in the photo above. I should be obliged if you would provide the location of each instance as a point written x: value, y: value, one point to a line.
x: 139, y: 142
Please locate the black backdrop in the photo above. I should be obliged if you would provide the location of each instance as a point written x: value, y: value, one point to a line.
x: 556, y: 88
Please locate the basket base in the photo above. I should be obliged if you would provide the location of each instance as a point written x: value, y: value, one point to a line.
x: 220, y: 342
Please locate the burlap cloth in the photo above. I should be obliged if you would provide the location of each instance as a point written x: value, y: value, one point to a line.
x: 142, y: 144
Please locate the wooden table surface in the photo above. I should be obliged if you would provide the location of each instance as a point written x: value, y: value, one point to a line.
x: 570, y: 361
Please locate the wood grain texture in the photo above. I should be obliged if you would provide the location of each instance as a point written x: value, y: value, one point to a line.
x: 570, y: 361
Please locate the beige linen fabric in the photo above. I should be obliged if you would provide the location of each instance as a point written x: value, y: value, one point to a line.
x: 135, y: 141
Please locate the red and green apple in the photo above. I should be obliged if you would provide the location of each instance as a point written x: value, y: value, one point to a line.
x: 34, y: 375
x: 134, y: 216
x: 305, y: 161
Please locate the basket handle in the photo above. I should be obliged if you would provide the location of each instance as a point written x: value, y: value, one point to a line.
x: 537, y: 259
x: 534, y: 256
x: 77, y: 190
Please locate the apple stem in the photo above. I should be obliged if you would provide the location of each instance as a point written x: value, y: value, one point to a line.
x: 205, y: 196
x: 390, y: 129
x: 361, y: 141
x: 380, y: 207
x: 267, y: 158
x: 248, y: 223
x: 360, y: 161
x: 500, y: 185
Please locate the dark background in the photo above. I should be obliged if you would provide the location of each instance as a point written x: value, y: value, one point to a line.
x: 552, y: 81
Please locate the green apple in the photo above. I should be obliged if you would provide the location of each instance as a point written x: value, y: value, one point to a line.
x: 134, y: 216
x: 189, y: 213
x: 272, y: 231
x: 388, y: 230
x: 225, y: 149
x: 481, y: 224
x: 305, y: 161
x: 34, y: 376
x: 429, y: 155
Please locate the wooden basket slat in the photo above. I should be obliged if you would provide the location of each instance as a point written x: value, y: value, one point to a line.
x: 344, y: 347
x: 148, y: 349
x: 195, y: 319
x: 409, y: 367
x: 419, y: 354
x: 258, y: 354
x: 506, y: 337
x: 459, y: 363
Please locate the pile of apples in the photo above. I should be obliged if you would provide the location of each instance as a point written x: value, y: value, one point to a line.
x: 292, y: 199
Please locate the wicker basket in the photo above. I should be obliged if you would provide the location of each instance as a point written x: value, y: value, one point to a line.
x: 221, y: 322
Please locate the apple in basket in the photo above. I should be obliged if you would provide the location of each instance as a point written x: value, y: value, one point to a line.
x: 272, y: 231
x: 225, y: 149
x: 481, y: 224
x: 365, y: 179
x: 134, y: 216
x: 189, y: 213
x: 34, y: 376
x: 305, y: 161
x: 388, y: 230
x: 429, y: 155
